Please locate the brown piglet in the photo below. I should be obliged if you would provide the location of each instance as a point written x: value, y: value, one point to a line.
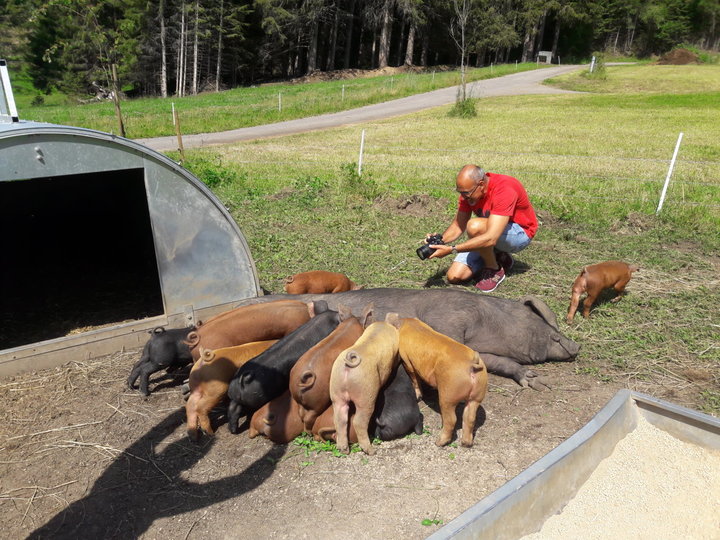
x: 593, y: 279
x: 455, y: 369
x: 278, y: 420
x: 324, y: 427
x: 209, y: 380
x: 318, y: 282
x: 357, y: 376
x: 310, y: 376
x: 256, y: 322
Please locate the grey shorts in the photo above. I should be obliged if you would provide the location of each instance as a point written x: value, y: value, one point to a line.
x: 512, y: 240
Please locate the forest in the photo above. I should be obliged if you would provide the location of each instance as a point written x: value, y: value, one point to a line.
x: 183, y: 47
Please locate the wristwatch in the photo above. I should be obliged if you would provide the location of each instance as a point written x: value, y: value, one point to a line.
x: 453, y: 250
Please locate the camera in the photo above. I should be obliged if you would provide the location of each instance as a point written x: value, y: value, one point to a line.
x: 425, y: 250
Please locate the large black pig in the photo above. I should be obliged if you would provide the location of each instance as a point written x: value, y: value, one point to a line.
x: 397, y: 408
x: 508, y: 334
x: 267, y: 376
x: 166, y: 349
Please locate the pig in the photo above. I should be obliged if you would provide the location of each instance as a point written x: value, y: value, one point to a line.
x: 177, y: 348
x: 278, y: 420
x: 357, y: 377
x: 166, y: 349
x: 596, y: 277
x: 396, y: 409
x: 318, y: 281
x: 209, y: 381
x: 510, y: 335
x: 396, y: 413
x: 324, y: 427
x: 454, y: 369
x: 249, y: 323
x: 267, y: 376
x: 310, y: 376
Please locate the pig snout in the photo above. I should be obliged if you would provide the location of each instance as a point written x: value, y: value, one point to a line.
x: 562, y: 348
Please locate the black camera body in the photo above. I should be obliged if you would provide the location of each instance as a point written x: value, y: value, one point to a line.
x: 425, y: 250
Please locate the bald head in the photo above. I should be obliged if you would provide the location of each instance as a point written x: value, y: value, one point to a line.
x: 472, y: 174
x: 470, y: 183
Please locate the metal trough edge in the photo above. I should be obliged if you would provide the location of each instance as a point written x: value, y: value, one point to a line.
x: 522, y: 505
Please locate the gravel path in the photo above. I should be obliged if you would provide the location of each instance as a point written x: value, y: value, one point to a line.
x: 526, y: 82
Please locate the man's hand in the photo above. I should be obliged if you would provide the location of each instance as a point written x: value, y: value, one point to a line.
x: 441, y: 250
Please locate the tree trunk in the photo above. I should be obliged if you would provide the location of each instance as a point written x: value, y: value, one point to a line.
x: 219, y: 47
x: 333, y: 42
x: 541, y: 33
x: 163, y: 50
x: 401, y: 42
x: 312, y: 48
x: 556, y: 38
x: 348, y: 35
x: 424, y: 51
x: 195, y: 48
x: 384, y: 46
x: 373, y: 63
x: 527, y: 43
x: 180, y: 79
x: 410, y: 45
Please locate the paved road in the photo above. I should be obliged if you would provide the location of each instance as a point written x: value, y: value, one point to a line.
x: 526, y: 82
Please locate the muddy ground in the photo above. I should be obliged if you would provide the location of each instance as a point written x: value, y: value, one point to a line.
x: 84, y: 457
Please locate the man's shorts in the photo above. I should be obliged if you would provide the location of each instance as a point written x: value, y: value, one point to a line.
x: 512, y: 240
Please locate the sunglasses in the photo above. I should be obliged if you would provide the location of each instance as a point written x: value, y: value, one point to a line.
x: 468, y: 193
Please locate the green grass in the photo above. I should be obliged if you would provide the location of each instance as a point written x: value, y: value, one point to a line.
x: 242, y: 107
x: 593, y: 165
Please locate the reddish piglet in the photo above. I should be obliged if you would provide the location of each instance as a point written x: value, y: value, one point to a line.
x: 593, y: 279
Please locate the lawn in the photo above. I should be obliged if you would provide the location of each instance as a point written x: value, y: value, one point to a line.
x: 594, y: 166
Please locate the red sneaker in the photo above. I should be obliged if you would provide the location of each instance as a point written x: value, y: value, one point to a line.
x: 489, y: 279
x: 505, y: 260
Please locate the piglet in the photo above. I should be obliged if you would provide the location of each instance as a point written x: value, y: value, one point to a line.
x: 357, y: 377
x: 310, y: 376
x: 166, y: 349
x: 267, y: 376
x: 210, y: 378
x: 396, y: 413
x: 596, y: 277
x: 318, y: 282
x: 278, y: 420
x: 454, y: 369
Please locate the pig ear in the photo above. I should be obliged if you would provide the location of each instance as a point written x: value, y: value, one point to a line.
x: 246, y: 378
x: 542, y: 309
x: 345, y: 312
x: 317, y: 307
x: 393, y: 318
x: 366, y: 318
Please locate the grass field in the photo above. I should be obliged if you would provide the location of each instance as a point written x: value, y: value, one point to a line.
x: 593, y: 165
x: 242, y: 107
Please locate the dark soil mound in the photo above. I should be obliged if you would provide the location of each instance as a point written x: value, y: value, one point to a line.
x: 679, y: 57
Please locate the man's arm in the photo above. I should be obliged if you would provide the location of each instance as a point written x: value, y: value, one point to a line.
x: 457, y: 227
x: 495, y: 226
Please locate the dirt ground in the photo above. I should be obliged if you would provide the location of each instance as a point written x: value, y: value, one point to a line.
x: 83, y: 457
x: 679, y: 57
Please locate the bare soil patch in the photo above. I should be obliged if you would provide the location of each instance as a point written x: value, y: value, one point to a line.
x: 679, y: 57
x: 84, y: 457
x: 412, y: 205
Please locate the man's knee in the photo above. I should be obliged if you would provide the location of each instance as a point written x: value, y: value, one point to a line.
x: 476, y: 226
x: 458, y: 273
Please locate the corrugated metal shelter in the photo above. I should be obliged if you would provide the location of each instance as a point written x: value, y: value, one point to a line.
x: 104, y: 239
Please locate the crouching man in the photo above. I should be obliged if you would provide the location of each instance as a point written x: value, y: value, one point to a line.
x: 505, y: 224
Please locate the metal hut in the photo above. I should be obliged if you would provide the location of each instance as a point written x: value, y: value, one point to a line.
x: 103, y: 240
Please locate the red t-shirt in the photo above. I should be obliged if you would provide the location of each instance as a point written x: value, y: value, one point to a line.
x: 505, y: 196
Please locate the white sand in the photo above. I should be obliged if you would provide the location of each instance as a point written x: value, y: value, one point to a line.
x: 652, y: 486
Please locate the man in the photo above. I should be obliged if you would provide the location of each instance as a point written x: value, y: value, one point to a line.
x: 506, y: 223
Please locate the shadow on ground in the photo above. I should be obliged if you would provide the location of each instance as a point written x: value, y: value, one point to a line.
x: 144, y: 484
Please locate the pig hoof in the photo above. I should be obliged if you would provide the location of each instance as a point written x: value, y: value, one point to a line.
x: 370, y: 450
x: 441, y: 441
x: 467, y: 444
x: 534, y: 381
